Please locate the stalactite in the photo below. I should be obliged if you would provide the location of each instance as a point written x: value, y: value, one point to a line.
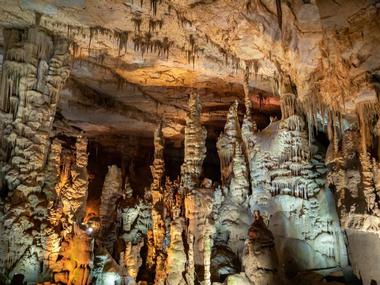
x: 153, y: 24
x: 153, y: 6
x: 192, y: 52
x: 289, y: 105
x: 137, y: 23
x: 279, y: 13
x: 122, y: 39
x: 145, y: 43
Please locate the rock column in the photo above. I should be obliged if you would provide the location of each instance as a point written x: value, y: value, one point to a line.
x: 34, y: 70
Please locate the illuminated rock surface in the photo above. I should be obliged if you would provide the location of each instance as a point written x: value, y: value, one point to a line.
x: 189, y: 142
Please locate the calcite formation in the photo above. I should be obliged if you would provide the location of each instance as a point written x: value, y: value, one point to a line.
x: 35, y: 67
x: 189, y: 142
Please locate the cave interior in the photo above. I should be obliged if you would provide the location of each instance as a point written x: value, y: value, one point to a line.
x: 190, y: 142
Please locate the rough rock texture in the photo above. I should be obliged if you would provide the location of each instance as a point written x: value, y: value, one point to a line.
x: 158, y: 208
x: 111, y: 193
x: 288, y: 187
x: 231, y: 217
x: 195, y: 149
x: 34, y: 70
x: 66, y: 212
x: 313, y: 176
x: 260, y: 260
x: 353, y: 173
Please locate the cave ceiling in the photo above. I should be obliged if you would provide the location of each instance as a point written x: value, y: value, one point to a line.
x: 135, y: 62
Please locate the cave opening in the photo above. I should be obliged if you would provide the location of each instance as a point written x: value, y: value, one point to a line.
x: 211, y: 163
x: 173, y: 157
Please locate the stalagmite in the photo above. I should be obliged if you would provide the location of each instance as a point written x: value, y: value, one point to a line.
x: 176, y: 261
x: 198, y: 207
x: 353, y: 173
x: 135, y: 227
x: 132, y: 259
x: 207, y: 249
x: 195, y: 149
x: 226, y: 142
x: 249, y: 127
x: 260, y: 259
x: 232, y: 215
x: 73, y: 193
x: 158, y: 209
x: 110, y: 195
x: 195, y: 152
x: 248, y: 133
x: 66, y: 212
x: 365, y: 112
x: 76, y: 260
x: 29, y: 97
x: 52, y: 235
x: 239, y: 186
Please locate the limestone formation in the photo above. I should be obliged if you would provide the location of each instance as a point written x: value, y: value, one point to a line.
x: 195, y: 149
x: 111, y: 193
x: 227, y: 142
x: 158, y: 207
x: 189, y: 142
x: 35, y: 66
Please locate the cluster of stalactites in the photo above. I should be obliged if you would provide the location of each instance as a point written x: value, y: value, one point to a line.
x: 289, y: 105
x: 195, y: 147
x: 30, y: 52
x: 367, y: 114
x: 289, y: 101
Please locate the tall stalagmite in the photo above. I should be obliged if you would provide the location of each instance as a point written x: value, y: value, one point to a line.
x: 195, y: 152
x: 158, y: 207
x: 35, y: 68
x: 111, y: 194
x: 195, y: 148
